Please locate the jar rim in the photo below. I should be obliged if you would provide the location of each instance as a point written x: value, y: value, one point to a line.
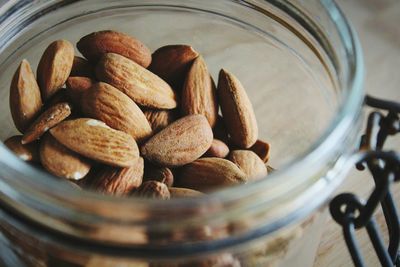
x: 48, y: 188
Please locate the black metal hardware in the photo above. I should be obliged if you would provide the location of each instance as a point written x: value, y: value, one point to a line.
x: 350, y: 211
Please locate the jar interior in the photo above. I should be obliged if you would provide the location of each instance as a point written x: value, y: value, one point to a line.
x: 284, y: 71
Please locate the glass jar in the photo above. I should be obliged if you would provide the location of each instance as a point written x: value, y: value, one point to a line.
x: 301, y: 65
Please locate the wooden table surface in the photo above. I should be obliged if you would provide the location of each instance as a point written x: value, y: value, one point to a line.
x: 377, y: 23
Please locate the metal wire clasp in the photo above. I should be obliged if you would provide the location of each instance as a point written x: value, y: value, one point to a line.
x: 350, y: 211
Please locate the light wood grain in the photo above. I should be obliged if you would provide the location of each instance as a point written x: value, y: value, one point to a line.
x: 377, y: 23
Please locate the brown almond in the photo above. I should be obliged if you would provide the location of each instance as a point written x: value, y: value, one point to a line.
x: 28, y: 152
x: 95, y: 140
x: 61, y: 161
x: 159, y: 119
x: 217, y: 149
x: 76, y: 86
x: 182, y: 142
x: 179, y: 192
x: 141, y: 85
x: 199, y: 95
x: 94, y: 45
x: 172, y: 63
x: 157, y: 173
x: 237, y: 111
x: 262, y: 149
x: 106, y: 103
x: 249, y: 162
x: 119, y: 181
x: 152, y: 189
x: 25, y: 100
x: 48, y: 119
x: 82, y: 68
x: 207, y: 174
x: 54, y: 67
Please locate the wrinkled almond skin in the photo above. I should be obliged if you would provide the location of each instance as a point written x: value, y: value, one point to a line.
x: 28, y: 152
x: 48, y: 119
x: 152, y: 189
x: 172, y: 63
x: 262, y: 149
x: 237, y: 111
x: 54, y: 67
x: 199, y: 94
x: 106, y: 103
x: 208, y: 174
x: 94, y: 45
x: 179, y: 192
x: 250, y: 163
x: 61, y: 161
x: 82, y: 68
x: 141, y: 85
x: 160, y: 174
x: 119, y: 181
x: 217, y: 149
x: 25, y: 99
x: 76, y: 87
x: 95, y: 140
x: 182, y: 142
x: 159, y: 119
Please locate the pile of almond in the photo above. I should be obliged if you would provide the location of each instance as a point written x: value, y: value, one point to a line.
x: 123, y: 121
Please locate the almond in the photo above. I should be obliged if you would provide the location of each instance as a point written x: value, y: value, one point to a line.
x: 144, y: 87
x: 179, y: 192
x: 95, y: 140
x: 106, y: 103
x: 217, y: 149
x: 198, y: 94
x: 172, y: 62
x: 159, y: 119
x: 180, y: 143
x: 62, y: 162
x: 237, y: 111
x: 262, y: 149
x: 28, y: 152
x: 152, y: 189
x: 94, y: 45
x: 76, y: 86
x: 207, y: 174
x: 160, y: 174
x: 249, y: 162
x: 25, y: 100
x: 54, y: 67
x: 82, y: 68
x: 119, y: 181
x: 48, y: 119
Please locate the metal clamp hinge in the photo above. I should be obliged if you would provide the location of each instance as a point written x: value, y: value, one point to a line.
x: 350, y: 211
